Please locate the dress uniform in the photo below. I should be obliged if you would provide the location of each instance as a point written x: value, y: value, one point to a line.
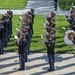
x: 50, y: 52
x: 5, y: 29
x: 55, y: 4
x: 26, y: 33
x: 33, y: 16
x: 10, y: 18
x: 8, y: 28
x: 30, y: 22
x: 22, y: 46
x: 25, y: 23
x: 52, y: 23
x: 50, y: 39
x: 1, y: 37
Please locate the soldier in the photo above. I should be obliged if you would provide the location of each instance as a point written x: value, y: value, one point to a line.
x: 22, y: 46
x: 26, y: 33
x: 33, y: 16
x: 10, y: 13
x: 50, y: 51
x: 52, y: 23
x: 5, y: 29
x: 53, y: 31
x: 53, y: 15
x: 30, y: 22
x: 25, y: 23
x: 8, y: 24
x: 55, y: 4
x: 72, y: 21
x: 1, y: 37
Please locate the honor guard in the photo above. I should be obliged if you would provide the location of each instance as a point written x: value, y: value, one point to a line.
x: 50, y: 51
x: 26, y: 33
x: 33, y: 16
x: 1, y: 37
x: 21, y: 50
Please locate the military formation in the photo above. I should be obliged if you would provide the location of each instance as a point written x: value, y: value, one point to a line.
x: 24, y: 36
x: 50, y: 38
x: 5, y: 29
x: 71, y: 21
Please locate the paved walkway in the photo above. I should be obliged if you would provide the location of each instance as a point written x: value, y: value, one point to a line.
x: 21, y: 12
x: 40, y: 6
x: 37, y: 64
x: 15, y: 12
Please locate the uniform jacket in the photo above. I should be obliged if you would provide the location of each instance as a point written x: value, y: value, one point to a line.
x: 22, y: 45
x: 50, y: 47
x: 1, y: 32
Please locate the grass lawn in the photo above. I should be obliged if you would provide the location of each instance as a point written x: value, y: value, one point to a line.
x: 66, y: 4
x: 13, y: 4
x: 36, y: 44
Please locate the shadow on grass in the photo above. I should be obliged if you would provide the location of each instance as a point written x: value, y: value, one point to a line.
x: 59, y: 41
x: 36, y: 36
x: 71, y: 49
x: 38, y: 50
x: 24, y: 2
x: 11, y: 40
x: 60, y: 45
x: 59, y: 37
x: 63, y: 51
x: 35, y: 41
x: 11, y: 45
x: 11, y: 50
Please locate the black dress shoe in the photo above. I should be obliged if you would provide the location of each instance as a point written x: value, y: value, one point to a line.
x: 49, y: 70
x: 20, y: 69
x: 1, y: 53
x: 25, y: 60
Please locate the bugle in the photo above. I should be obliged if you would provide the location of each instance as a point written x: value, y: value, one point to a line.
x: 17, y: 39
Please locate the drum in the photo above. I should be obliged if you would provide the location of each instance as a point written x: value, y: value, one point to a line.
x: 66, y: 37
x: 68, y: 31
